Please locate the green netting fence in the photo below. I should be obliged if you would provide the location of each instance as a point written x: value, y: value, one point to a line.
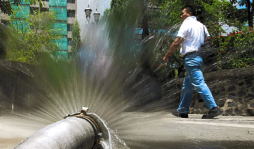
x: 59, y: 3
x: 21, y: 12
x: 61, y: 13
x: 20, y: 17
x: 62, y: 43
x: 60, y: 28
x: 22, y: 2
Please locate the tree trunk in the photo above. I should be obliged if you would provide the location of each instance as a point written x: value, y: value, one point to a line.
x: 250, y: 13
x: 144, y: 21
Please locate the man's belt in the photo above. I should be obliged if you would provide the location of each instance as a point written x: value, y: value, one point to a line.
x: 189, y: 53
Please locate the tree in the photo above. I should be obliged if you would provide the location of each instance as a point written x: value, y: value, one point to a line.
x: 120, y: 4
x: 5, y: 5
x: 3, y: 40
x: 75, y: 36
x: 117, y: 4
x: 249, y: 9
x: 212, y: 13
x: 31, y: 35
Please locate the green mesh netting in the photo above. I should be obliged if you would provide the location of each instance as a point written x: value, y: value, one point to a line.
x: 60, y: 28
x: 20, y: 25
x: 22, y: 2
x: 20, y: 17
x: 62, y: 3
x: 62, y: 43
x: 21, y: 12
x: 61, y: 13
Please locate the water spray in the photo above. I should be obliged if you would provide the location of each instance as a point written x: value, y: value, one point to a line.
x: 79, y: 130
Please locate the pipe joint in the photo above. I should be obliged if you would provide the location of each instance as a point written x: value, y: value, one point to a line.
x: 83, y: 114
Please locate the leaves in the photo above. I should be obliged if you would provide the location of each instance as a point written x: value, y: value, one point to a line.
x: 236, y: 49
x: 34, y: 34
x: 76, y: 36
x: 5, y: 5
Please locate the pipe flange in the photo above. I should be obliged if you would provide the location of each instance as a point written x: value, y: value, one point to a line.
x: 83, y: 114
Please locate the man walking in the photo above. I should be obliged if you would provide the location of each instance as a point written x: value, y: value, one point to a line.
x: 191, y: 36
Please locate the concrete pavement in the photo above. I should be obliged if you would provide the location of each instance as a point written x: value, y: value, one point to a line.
x: 158, y: 131
x: 225, y: 132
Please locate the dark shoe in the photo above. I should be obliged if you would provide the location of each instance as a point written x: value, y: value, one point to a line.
x: 177, y: 114
x: 212, y: 113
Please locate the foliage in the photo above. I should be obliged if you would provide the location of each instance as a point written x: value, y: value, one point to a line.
x: 5, y: 5
x: 164, y: 20
x: 75, y: 36
x: 3, y: 40
x: 31, y: 35
x: 248, y: 10
x: 118, y: 4
x: 212, y: 13
x: 236, y: 49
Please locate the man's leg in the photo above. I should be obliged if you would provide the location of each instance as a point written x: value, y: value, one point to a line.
x: 198, y: 82
x: 186, y: 97
x: 201, y: 87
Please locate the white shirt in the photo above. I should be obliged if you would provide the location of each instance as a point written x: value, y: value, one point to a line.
x: 193, y: 33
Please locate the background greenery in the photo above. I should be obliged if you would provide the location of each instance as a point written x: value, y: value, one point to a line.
x: 232, y: 51
x: 31, y: 35
x: 159, y: 19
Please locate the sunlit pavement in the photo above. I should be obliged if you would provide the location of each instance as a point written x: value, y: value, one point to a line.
x: 13, y: 130
x: 158, y: 131
x: 167, y: 131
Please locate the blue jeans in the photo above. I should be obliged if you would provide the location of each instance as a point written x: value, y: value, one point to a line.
x: 194, y: 80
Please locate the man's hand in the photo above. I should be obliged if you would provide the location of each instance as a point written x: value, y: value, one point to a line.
x: 173, y: 48
x: 165, y: 59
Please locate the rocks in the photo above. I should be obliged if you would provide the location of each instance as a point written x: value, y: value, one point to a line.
x: 252, y: 89
x: 242, y: 106
x: 233, y: 91
x: 249, y: 83
x: 229, y: 111
x: 250, y: 112
x: 231, y: 88
x: 252, y: 105
x: 241, y: 93
x: 238, y: 112
x: 241, y: 84
x: 232, y: 96
x: 231, y: 104
x: 249, y: 97
x: 221, y: 103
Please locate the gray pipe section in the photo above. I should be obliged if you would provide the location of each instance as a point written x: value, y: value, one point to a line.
x: 69, y: 133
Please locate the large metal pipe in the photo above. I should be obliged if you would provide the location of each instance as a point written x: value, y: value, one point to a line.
x: 69, y: 133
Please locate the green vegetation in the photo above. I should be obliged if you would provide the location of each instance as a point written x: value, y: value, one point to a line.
x: 5, y: 5
x: 31, y: 35
x: 75, y: 37
x: 235, y: 50
x: 247, y: 12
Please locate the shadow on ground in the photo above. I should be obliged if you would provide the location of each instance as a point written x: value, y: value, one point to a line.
x: 193, y: 145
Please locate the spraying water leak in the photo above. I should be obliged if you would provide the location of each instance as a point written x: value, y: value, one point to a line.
x: 112, y: 74
x: 95, y: 77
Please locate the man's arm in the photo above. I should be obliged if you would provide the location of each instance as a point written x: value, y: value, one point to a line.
x: 173, y: 48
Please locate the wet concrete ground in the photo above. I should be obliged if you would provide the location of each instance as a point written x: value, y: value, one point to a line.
x: 162, y: 131
x: 167, y: 131
x: 14, y: 129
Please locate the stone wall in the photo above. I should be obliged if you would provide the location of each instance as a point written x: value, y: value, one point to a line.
x: 233, y: 91
x: 16, y: 86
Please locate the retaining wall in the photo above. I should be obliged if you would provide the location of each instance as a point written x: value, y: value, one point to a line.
x: 233, y: 91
